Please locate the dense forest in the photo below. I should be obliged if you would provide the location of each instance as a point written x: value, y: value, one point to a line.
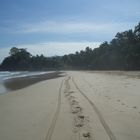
x: 121, y: 53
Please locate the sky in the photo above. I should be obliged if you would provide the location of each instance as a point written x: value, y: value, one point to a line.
x: 58, y: 27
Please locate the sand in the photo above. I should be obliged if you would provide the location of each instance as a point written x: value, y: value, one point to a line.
x: 82, y: 105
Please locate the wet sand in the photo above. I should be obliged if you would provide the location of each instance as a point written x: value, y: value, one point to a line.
x: 81, y: 105
x: 22, y: 82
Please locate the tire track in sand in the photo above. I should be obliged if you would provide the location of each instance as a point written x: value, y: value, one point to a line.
x: 102, y: 120
x: 81, y: 120
x: 54, y: 120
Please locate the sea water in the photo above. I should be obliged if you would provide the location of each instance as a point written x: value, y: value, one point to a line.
x: 6, y: 75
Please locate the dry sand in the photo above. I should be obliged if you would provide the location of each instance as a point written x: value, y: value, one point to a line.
x: 80, y: 106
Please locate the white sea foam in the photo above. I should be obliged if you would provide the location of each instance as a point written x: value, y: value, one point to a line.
x: 9, y: 75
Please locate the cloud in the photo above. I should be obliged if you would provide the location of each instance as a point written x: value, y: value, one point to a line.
x: 52, y: 48
x: 58, y: 48
x: 72, y: 27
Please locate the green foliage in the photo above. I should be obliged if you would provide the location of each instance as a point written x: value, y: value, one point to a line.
x: 19, y: 59
x: 122, y: 53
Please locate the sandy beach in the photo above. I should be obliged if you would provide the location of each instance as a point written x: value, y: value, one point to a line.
x: 79, y: 105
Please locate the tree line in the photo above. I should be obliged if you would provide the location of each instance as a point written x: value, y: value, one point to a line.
x: 121, y: 53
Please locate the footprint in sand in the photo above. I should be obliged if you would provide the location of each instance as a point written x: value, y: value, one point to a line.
x: 74, y: 102
x: 118, y: 100
x: 81, y: 117
x: 76, y: 110
x: 71, y: 91
x: 107, y: 97
x: 122, y: 103
x: 71, y: 97
x: 79, y: 122
x: 86, y: 135
x: 67, y: 94
x: 134, y: 107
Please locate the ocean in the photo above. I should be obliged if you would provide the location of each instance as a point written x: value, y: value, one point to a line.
x: 7, y: 75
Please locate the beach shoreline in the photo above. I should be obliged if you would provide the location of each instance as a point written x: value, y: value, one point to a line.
x: 15, y: 83
x: 84, y: 104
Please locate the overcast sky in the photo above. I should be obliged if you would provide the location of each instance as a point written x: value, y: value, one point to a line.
x: 57, y: 27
